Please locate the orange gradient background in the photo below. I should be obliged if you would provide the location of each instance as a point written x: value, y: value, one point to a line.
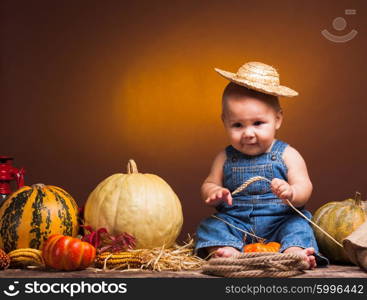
x: 86, y: 85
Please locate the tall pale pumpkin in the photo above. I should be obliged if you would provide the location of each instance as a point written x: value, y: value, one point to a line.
x: 339, y: 219
x: 143, y: 205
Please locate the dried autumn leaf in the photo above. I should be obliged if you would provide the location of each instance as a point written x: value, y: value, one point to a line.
x: 104, y: 241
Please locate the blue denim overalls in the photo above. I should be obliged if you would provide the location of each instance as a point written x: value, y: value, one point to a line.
x: 256, y: 209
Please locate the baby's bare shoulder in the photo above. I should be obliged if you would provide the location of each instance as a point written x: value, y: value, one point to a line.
x: 216, y: 171
x: 222, y: 156
x: 219, y: 160
x: 292, y: 156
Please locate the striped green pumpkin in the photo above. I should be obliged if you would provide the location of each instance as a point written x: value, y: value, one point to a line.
x: 32, y: 213
x: 339, y: 219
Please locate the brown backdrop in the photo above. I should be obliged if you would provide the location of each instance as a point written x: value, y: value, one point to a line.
x: 86, y: 85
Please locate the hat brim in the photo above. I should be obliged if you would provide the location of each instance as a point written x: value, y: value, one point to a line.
x: 278, y: 90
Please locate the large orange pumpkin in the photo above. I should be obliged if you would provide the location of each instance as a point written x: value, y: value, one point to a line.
x: 33, y: 213
x: 339, y: 219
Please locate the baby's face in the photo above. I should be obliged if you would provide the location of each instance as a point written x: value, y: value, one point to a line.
x: 250, y: 124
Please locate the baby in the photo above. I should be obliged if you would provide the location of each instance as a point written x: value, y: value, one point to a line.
x: 251, y: 115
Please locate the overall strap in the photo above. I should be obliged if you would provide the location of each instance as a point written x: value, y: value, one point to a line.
x: 278, y: 147
x: 232, y: 153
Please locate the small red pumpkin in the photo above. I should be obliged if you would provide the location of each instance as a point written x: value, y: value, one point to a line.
x: 261, y: 247
x: 67, y: 253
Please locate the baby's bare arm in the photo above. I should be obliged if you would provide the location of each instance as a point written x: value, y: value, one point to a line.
x: 298, y: 178
x: 212, y: 189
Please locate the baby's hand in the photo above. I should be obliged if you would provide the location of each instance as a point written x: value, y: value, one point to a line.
x: 218, y: 196
x: 282, y: 189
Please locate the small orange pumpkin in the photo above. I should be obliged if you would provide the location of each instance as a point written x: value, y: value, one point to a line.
x: 67, y: 253
x: 262, y: 247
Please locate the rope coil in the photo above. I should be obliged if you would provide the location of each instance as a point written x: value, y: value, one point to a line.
x: 257, y: 264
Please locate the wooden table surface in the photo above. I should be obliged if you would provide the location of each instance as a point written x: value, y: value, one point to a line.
x: 332, y: 271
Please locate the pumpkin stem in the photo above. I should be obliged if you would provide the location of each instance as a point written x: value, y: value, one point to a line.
x: 131, y: 167
x: 358, y: 198
x: 38, y: 185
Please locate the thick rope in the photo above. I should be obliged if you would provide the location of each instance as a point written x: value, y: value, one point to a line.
x: 257, y: 264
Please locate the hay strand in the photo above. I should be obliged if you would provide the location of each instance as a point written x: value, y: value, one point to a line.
x: 175, y: 258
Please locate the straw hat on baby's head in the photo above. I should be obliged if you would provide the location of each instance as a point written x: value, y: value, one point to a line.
x: 259, y: 77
